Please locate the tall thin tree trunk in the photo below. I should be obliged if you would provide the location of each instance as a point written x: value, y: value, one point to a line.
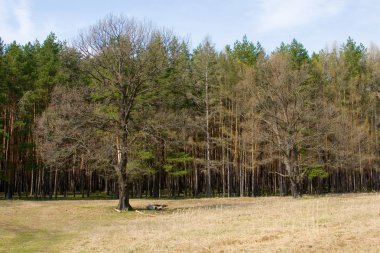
x: 208, y: 177
x: 55, y: 183
x: 228, y: 175
x: 50, y: 183
x: 253, y: 162
x: 236, y: 149
x: 10, y: 172
x: 223, y: 174
x: 361, y: 169
x: 31, y: 183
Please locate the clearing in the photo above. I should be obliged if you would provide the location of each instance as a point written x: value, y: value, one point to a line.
x: 333, y: 223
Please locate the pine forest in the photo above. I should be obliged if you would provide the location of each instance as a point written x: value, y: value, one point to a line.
x: 130, y: 110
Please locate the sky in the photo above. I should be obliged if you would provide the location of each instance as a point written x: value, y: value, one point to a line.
x: 317, y: 24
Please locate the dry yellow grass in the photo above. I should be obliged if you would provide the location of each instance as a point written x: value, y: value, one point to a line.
x: 338, y: 223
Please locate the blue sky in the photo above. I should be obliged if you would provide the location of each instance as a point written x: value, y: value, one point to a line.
x: 315, y: 23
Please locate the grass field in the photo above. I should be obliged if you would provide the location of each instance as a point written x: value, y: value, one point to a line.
x: 336, y: 223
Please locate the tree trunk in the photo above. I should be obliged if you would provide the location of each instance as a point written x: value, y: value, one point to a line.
x: 50, y: 183
x: 208, y: 179
x: 123, y: 195
x: 223, y: 175
x: 122, y: 174
x: 31, y: 183
x: 55, y: 183
x: 295, y: 182
x: 228, y: 175
x: 295, y: 187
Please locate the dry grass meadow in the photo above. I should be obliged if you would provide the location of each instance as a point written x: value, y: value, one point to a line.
x: 336, y: 223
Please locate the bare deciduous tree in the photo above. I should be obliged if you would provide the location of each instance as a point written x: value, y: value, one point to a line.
x: 290, y: 123
x: 119, y: 59
x: 66, y: 129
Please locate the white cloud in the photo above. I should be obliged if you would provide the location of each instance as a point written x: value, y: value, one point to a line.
x: 16, y: 22
x: 22, y: 15
x: 284, y: 14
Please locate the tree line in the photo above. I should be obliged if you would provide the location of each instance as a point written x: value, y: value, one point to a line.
x: 130, y: 110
